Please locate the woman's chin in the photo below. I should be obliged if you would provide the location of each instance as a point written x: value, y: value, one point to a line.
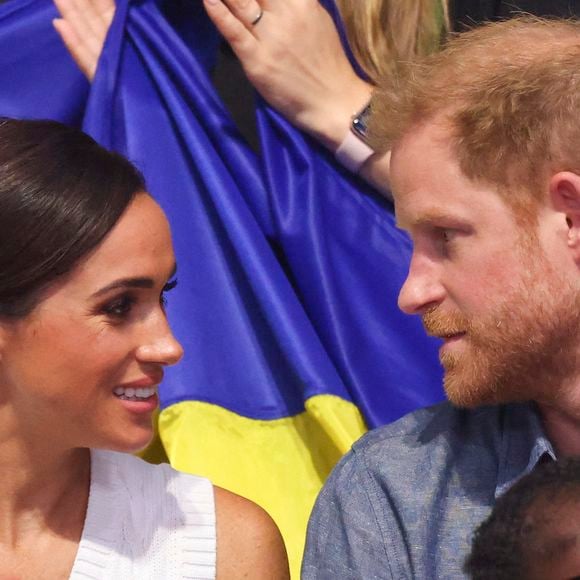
x: 129, y: 443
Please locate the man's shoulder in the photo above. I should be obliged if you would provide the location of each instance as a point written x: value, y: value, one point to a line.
x: 432, y: 438
x: 413, y: 491
x: 431, y: 426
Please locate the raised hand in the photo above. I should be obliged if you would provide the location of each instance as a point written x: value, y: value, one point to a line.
x: 83, y: 27
x: 291, y: 53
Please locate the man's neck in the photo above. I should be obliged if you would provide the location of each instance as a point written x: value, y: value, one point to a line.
x: 562, y: 428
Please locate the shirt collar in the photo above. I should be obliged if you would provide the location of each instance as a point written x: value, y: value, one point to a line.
x: 524, y: 445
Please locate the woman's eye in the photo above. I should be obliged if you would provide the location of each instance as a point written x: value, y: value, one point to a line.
x: 119, y: 308
x: 167, y: 288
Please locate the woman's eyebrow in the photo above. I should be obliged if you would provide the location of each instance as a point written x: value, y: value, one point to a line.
x: 127, y: 283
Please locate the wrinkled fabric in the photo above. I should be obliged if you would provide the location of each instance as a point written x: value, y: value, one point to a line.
x: 289, y: 267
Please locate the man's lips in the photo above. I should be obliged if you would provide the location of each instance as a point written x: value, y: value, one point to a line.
x: 450, y: 335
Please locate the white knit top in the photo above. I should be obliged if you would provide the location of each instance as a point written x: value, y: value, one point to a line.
x: 145, y: 522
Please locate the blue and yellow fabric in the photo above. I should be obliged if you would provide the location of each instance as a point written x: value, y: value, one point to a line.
x: 288, y: 267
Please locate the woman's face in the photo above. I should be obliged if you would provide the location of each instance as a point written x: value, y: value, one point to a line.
x: 82, y: 369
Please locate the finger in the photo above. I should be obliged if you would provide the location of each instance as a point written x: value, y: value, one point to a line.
x: 80, y: 53
x: 241, y: 40
x: 97, y: 14
x: 81, y: 17
x: 249, y: 12
x: 106, y: 10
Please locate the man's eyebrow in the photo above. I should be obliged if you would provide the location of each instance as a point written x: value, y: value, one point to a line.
x: 127, y: 283
x: 434, y: 217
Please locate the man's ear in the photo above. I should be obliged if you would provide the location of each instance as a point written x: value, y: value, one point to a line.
x: 565, y: 197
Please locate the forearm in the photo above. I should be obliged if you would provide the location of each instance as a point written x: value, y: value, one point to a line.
x: 328, y: 118
x: 376, y: 171
x: 311, y: 82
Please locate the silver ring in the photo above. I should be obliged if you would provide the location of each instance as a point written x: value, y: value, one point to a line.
x: 258, y: 18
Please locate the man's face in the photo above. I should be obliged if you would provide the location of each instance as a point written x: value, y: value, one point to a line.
x: 500, y: 291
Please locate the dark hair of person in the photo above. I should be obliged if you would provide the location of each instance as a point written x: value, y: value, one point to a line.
x: 60, y: 194
x: 520, y: 529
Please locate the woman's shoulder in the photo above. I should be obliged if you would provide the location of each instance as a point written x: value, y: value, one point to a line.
x: 250, y: 544
x: 127, y: 466
x: 158, y: 484
x: 167, y: 518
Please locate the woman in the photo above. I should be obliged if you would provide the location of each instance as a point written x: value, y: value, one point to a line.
x: 85, y: 262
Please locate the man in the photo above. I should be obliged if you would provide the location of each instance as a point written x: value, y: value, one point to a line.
x: 485, y: 172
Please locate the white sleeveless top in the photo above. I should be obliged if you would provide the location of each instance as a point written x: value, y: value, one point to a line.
x: 145, y: 522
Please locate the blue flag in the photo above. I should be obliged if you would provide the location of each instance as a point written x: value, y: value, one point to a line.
x: 288, y: 267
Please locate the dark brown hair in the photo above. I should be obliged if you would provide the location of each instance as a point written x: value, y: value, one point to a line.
x: 60, y: 194
x: 522, y: 529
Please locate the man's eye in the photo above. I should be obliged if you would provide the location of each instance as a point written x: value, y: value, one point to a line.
x: 446, y: 235
x: 119, y: 308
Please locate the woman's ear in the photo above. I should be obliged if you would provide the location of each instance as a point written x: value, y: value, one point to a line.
x: 565, y: 198
x: 3, y: 338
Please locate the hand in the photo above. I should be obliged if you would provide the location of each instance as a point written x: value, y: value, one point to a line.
x: 294, y: 58
x: 83, y: 27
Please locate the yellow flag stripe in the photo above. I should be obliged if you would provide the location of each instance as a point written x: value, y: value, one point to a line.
x: 279, y: 464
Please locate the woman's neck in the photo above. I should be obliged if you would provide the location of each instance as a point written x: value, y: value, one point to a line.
x: 41, y: 491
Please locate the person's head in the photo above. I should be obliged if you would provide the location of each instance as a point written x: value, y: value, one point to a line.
x: 485, y: 171
x: 85, y: 255
x: 383, y: 33
x: 533, y: 531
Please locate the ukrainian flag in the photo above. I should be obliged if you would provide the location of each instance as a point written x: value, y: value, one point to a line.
x: 288, y: 268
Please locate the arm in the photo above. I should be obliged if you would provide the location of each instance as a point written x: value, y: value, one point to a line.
x: 344, y: 538
x: 294, y: 58
x: 311, y: 82
x: 249, y: 544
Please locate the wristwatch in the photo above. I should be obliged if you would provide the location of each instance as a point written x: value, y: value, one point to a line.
x: 355, y: 149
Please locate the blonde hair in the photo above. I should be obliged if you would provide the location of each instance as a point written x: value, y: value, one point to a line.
x: 383, y: 32
x: 509, y: 93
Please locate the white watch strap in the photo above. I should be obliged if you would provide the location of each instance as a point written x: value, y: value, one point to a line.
x: 353, y: 152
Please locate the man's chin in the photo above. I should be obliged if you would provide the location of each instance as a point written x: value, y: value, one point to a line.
x: 468, y: 394
x: 468, y: 381
x: 469, y: 400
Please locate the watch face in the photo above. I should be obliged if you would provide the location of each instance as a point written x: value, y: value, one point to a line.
x: 360, y: 122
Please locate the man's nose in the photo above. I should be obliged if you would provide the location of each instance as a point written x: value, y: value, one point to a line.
x: 422, y: 290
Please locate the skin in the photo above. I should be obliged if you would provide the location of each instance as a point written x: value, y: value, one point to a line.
x: 555, y: 554
x: 83, y: 29
x: 310, y: 82
x: 101, y: 326
x: 469, y: 261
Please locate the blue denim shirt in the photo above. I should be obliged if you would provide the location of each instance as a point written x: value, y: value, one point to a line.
x: 404, y: 502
